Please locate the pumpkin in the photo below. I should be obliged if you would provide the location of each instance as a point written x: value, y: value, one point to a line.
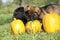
x: 59, y: 22
x: 17, y: 26
x: 33, y: 26
x: 51, y: 22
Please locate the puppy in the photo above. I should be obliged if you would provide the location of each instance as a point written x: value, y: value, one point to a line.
x: 28, y: 12
x: 19, y: 13
x: 39, y: 12
x: 32, y: 12
x: 50, y: 8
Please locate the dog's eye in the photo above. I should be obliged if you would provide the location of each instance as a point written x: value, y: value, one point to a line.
x: 35, y: 12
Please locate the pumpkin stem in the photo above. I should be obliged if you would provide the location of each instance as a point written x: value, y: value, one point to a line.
x: 14, y: 18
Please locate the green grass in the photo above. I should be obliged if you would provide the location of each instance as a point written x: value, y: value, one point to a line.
x: 6, y: 14
x: 6, y: 34
x: 5, y: 18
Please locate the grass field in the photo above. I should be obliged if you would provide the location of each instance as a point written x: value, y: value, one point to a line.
x: 6, y: 33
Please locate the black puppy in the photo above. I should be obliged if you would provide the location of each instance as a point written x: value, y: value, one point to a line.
x: 19, y: 13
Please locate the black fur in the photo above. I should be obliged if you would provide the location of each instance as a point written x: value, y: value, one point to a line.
x: 19, y: 14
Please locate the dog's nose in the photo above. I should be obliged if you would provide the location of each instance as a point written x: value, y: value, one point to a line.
x: 35, y: 16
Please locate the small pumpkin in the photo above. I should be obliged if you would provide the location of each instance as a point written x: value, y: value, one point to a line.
x: 17, y: 26
x: 51, y: 22
x: 33, y: 26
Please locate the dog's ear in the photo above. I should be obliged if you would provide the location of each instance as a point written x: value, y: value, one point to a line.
x: 28, y: 8
x: 36, y: 9
x: 50, y: 9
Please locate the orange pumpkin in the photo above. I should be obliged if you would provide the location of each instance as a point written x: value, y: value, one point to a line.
x: 33, y: 26
x: 51, y: 22
x: 17, y: 26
